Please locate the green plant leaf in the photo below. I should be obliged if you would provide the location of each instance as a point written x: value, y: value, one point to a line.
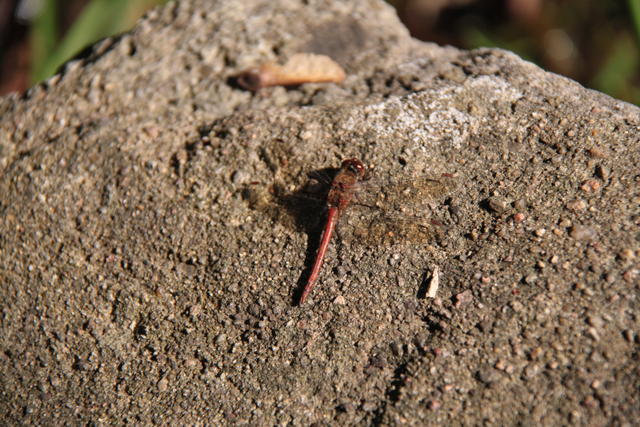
x: 616, y: 74
x: 44, y: 33
x: 634, y: 7
x: 99, y: 19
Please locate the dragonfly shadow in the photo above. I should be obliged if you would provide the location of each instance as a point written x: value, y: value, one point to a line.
x: 303, y: 210
x: 308, y: 207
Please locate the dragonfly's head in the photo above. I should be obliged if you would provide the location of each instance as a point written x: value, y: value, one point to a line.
x: 354, y: 166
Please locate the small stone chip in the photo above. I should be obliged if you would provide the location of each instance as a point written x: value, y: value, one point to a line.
x: 434, y: 283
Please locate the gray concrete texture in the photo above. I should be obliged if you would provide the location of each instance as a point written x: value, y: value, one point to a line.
x: 154, y: 235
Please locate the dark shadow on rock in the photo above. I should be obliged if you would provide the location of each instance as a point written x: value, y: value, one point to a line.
x: 303, y: 210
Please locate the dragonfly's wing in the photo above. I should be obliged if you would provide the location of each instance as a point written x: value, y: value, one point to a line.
x: 397, y: 211
x: 383, y: 212
x: 406, y: 195
x: 376, y: 228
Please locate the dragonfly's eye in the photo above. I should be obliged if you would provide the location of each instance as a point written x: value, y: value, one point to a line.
x: 354, y: 166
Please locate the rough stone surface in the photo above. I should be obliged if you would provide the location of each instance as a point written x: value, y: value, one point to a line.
x: 147, y: 278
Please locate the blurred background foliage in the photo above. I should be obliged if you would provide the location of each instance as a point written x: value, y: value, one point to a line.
x: 38, y: 36
x: 596, y: 42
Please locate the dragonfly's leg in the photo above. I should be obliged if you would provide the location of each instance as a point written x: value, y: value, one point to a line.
x: 364, y: 205
x: 323, y: 176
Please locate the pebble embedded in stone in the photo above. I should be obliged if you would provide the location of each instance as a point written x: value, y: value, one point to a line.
x: 497, y: 204
x: 434, y: 405
x: 593, y: 334
x: 576, y: 205
x: 463, y: 298
x: 488, y: 375
x: 602, y: 172
x: 590, y: 186
x: 240, y: 177
x: 339, y: 300
x: 582, y: 232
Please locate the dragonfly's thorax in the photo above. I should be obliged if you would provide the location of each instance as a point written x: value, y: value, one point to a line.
x: 345, y: 184
x: 342, y: 190
x: 340, y: 195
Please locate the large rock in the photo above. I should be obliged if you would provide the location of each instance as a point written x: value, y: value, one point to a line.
x: 149, y: 274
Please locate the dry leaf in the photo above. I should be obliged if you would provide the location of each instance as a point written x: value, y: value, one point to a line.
x: 300, y: 68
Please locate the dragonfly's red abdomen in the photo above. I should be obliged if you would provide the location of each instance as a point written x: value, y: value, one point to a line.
x: 343, y: 188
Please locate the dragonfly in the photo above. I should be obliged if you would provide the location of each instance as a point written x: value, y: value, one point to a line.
x: 343, y: 188
x: 393, y: 209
